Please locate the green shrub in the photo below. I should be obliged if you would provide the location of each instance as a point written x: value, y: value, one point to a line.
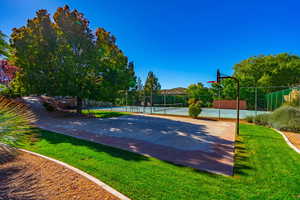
x: 49, y: 107
x: 250, y: 119
x: 209, y: 105
x: 195, y: 109
x: 192, y: 101
x: 286, y: 118
x: 262, y: 119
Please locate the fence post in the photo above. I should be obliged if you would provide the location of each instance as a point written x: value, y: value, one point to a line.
x: 255, y: 101
x: 151, y: 100
x: 126, y: 100
x: 282, y: 93
x: 272, y: 102
x: 267, y: 96
x: 144, y: 103
x: 299, y: 97
x: 276, y: 100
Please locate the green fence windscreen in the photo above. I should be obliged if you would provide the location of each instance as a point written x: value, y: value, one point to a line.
x: 276, y: 99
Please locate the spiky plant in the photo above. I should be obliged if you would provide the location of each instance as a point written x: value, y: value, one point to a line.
x: 15, y: 119
x: 293, y: 98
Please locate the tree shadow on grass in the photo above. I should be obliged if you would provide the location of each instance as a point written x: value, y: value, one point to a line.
x: 56, y: 138
x: 241, y: 158
x: 199, y: 171
x: 104, y: 114
x: 206, y: 161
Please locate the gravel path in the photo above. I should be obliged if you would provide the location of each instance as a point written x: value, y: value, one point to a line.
x: 202, y: 144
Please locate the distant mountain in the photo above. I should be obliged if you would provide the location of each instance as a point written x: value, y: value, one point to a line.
x: 178, y: 90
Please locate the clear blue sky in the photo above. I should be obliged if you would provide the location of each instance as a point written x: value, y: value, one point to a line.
x: 182, y: 41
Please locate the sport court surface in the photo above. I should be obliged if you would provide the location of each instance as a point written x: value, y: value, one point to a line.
x: 201, y: 144
x: 183, y: 111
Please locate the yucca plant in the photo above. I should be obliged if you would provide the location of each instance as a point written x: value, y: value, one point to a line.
x: 293, y: 98
x: 15, y: 120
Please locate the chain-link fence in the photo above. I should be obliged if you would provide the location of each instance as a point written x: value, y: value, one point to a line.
x: 255, y: 100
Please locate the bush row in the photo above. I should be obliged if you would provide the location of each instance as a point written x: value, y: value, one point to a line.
x: 286, y: 118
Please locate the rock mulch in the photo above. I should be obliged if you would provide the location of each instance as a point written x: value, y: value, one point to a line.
x: 33, y: 178
x: 294, y: 138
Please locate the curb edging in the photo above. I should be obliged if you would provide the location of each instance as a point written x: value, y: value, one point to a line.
x: 78, y: 171
x: 287, y: 141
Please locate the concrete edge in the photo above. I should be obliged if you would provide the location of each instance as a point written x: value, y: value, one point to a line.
x: 287, y: 140
x: 78, y: 171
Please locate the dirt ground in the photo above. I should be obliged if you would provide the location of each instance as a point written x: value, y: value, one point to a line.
x: 33, y: 178
x: 294, y: 138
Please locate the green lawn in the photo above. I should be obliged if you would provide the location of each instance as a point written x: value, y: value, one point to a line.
x: 105, y: 113
x: 266, y: 168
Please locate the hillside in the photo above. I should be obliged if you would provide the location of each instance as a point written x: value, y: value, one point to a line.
x: 178, y: 90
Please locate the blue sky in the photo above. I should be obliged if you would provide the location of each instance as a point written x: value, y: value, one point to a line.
x: 182, y: 41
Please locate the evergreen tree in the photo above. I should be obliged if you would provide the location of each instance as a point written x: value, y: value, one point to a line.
x: 152, y: 84
x: 152, y: 87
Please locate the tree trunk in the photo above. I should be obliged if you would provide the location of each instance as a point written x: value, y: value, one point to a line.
x: 79, y: 105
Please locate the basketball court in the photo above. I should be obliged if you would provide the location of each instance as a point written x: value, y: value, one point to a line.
x: 201, y: 144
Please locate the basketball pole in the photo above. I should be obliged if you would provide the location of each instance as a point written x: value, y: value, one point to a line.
x: 219, y: 78
x: 219, y: 101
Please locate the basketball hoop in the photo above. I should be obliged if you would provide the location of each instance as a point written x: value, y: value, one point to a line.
x: 219, y: 78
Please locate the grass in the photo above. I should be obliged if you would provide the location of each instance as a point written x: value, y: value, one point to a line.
x: 105, y: 113
x: 265, y: 168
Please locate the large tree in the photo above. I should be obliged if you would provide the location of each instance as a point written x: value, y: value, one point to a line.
x: 132, y: 79
x: 199, y: 92
x: 272, y: 70
x: 64, y: 58
x: 266, y: 73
